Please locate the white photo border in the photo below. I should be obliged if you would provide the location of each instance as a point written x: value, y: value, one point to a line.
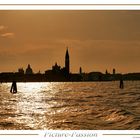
x: 70, y: 5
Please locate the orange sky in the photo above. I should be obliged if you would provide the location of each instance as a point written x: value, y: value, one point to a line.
x: 97, y: 40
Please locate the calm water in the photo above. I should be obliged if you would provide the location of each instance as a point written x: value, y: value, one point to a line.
x: 70, y: 106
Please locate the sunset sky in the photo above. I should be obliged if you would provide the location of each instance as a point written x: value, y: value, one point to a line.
x: 97, y: 40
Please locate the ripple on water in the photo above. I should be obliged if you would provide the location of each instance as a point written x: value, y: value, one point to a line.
x: 66, y: 106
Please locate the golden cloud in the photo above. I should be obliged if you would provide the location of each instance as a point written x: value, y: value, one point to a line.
x: 2, y: 27
x: 8, y: 35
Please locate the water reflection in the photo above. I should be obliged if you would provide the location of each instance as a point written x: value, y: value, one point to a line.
x: 100, y: 105
x: 32, y: 105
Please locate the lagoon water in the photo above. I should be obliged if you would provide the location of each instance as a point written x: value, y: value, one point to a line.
x: 70, y: 106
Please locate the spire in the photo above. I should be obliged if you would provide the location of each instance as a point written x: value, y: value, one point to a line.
x: 67, y: 53
x: 29, y: 70
x: 67, y: 61
x: 28, y: 65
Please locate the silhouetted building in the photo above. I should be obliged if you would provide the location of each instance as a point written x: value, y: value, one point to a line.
x: 21, y: 71
x: 106, y: 72
x: 39, y: 72
x: 67, y: 62
x: 75, y: 77
x: 29, y: 70
x: 56, y: 68
x: 80, y: 70
x: 114, y: 71
x: 95, y: 76
x: 60, y: 74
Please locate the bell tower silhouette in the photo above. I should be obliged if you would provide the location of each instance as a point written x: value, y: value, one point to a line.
x: 67, y: 61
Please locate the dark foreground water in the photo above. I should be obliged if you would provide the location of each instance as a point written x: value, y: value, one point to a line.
x: 70, y: 106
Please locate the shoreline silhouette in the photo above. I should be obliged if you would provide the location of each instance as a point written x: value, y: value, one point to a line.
x: 63, y: 74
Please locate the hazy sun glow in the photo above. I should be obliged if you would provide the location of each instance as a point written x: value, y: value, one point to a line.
x: 97, y: 40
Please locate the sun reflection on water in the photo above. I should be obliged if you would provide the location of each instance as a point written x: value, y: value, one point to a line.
x: 69, y: 106
x: 36, y: 102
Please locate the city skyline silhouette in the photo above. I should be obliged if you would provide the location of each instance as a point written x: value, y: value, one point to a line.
x: 59, y: 73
